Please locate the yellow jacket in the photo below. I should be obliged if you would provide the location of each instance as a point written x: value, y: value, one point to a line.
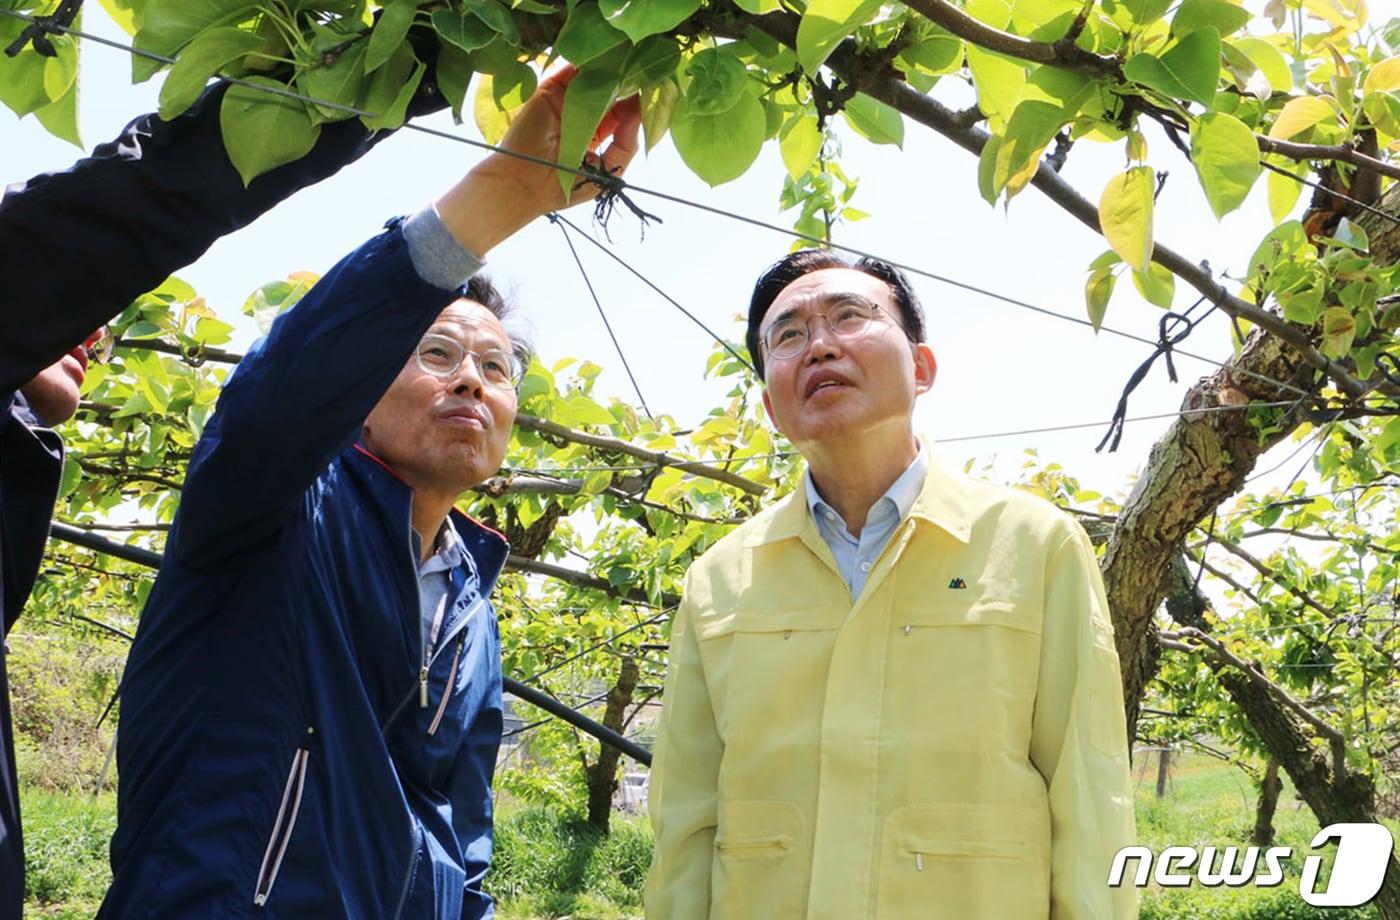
x: 926, y: 751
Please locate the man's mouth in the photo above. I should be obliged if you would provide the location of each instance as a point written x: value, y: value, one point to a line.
x: 470, y: 417
x: 825, y: 380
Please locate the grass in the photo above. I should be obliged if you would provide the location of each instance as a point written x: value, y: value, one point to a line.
x: 549, y: 865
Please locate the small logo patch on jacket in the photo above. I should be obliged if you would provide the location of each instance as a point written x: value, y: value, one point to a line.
x: 957, y: 584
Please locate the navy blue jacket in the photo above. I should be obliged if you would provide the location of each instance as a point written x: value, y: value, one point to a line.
x: 76, y: 247
x: 271, y: 718
x: 31, y: 461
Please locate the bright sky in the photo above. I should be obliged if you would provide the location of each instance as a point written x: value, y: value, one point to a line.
x: 1001, y: 369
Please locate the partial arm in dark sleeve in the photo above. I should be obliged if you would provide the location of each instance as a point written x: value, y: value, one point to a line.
x: 81, y: 244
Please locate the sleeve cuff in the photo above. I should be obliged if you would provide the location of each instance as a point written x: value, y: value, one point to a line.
x: 437, y: 256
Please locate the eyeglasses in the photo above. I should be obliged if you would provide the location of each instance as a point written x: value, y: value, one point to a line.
x: 442, y: 355
x: 848, y: 319
x: 98, y: 346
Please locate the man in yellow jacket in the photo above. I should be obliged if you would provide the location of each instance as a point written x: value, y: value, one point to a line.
x: 894, y: 694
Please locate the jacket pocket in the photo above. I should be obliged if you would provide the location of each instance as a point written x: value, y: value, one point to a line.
x: 760, y: 866
x: 282, y: 827
x: 965, y: 860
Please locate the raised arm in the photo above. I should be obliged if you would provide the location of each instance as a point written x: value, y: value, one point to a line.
x: 302, y: 395
x: 81, y: 244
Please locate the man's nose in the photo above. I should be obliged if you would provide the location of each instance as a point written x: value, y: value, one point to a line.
x: 468, y: 378
x: 822, y: 341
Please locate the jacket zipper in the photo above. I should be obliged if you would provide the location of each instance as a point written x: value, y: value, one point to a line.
x: 428, y: 652
x: 282, y: 831
x: 876, y: 564
x: 447, y: 690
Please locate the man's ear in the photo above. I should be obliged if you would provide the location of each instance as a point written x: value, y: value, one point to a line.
x: 768, y: 408
x: 925, y: 368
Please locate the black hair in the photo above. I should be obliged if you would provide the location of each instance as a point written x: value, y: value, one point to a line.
x: 805, y: 261
x: 479, y: 289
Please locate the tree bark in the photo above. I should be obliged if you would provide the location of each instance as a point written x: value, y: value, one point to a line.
x: 602, y: 774
x: 1269, y: 788
x: 1164, y: 765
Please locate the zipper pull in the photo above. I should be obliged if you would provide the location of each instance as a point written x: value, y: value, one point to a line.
x: 919, y: 861
x: 423, y: 687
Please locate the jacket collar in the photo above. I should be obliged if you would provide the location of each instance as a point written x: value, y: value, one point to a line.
x: 944, y: 502
x: 489, y: 548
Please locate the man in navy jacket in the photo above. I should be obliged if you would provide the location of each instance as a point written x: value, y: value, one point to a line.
x: 312, y: 708
x: 76, y: 247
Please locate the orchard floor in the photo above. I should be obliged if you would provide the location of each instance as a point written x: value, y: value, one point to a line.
x: 547, y: 866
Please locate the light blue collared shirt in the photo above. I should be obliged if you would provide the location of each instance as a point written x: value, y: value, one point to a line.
x: 435, y: 588
x: 856, y: 557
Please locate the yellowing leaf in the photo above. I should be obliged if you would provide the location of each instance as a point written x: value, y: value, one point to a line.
x: 1302, y: 113
x: 1384, y: 77
x: 800, y: 142
x: 1283, y: 192
x: 1125, y: 215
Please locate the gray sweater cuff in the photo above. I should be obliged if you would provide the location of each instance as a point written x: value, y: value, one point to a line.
x: 437, y: 256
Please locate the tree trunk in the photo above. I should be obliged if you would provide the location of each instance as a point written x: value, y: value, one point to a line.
x: 1164, y: 765
x: 1269, y: 788
x: 602, y: 775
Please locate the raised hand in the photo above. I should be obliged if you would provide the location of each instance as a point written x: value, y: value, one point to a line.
x: 504, y: 193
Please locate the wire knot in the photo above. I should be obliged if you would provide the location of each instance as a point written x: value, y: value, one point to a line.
x: 1172, y: 330
x: 611, y: 190
x: 41, y: 27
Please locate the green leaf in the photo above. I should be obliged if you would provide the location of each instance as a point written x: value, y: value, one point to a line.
x: 21, y: 76
x: 341, y: 82
x: 464, y: 30
x: 1146, y: 11
x: 1031, y: 127
x: 586, y: 101
x: 389, y: 32
x: 454, y: 75
x: 824, y: 24
x: 262, y: 130
x: 1097, y: 291
x: 200, y: 60
x: 658, y: 106
x: 1269, y: 60
x: 61, y: 70
x: 874, y: 121
x: 938, y: 54
x: 640, y: 18
x: 60, y: 117
x: 715, y: 81
x: 1188, y: 70
x: 1384, y: 77
x: 999, y: 81
x: 1226, y: 158
x: 1222, y: 15
x: 497, y: 17
x: 759, y: 7
x: 391, y: 89
x: 799, y: 141
x: 1125, y: 214
x: 1157, y: 285
x: 654, y: 60
x: 1338, y: 331
x: 718, y: 148
x: 166, y: 27
x: 586, y: 35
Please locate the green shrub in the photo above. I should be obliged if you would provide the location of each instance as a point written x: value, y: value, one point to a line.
x: 65, y: 850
